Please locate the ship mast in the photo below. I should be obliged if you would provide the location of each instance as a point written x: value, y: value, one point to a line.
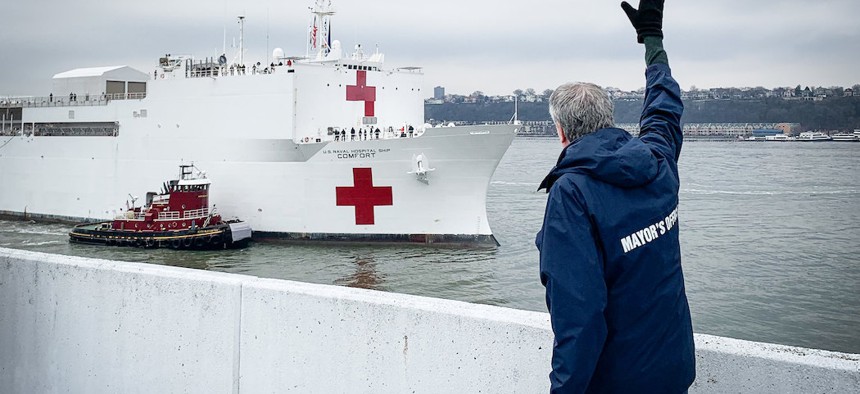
x: 241, y: 39
x: 320, y: 30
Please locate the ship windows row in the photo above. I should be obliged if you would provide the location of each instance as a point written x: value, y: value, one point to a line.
x: 69, y: 129
x: 363, y: 68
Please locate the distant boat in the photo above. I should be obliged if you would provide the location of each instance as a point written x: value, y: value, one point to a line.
x: 780, y: 137
x: 813, y: 136
x: 853, y: 137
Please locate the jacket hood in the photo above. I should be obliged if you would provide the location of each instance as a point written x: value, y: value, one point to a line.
x: 610, y: 155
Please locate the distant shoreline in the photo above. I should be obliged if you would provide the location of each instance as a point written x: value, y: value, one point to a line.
x: 690, y: 138
x: 832, y: 114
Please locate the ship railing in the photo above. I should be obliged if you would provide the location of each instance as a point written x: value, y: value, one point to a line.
x: 168, y: 215
x: 96, y: 129
x: 85, y: 100
x: 129, y: 215
x: 7, y: 131
x: 196, y: 213
x: 340, y: 135
x: 210, y: 69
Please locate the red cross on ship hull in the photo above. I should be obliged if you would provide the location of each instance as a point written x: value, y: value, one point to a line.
x: 361, y: 92
x: 364, y: 196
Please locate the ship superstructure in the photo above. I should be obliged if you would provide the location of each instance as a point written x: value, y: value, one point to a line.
x: 324, y: 146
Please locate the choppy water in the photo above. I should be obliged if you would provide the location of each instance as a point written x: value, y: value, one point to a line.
x: 769, y: 235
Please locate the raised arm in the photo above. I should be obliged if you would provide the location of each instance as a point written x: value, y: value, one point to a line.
x: 660, y: 124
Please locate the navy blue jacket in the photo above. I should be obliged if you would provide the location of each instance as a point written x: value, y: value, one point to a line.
x: 610, y: 257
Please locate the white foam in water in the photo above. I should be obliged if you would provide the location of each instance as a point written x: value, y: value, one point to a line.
x: 514, y: 183
x: 41, y: 232
x: 28, y: 243
x: 770, y: 193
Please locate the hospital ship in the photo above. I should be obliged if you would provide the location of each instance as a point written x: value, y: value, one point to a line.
x: 328, y: 146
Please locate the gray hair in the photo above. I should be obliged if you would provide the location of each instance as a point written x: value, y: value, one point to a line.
x: 580, y: 109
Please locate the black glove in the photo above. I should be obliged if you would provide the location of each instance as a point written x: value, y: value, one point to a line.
x: 648, y: 19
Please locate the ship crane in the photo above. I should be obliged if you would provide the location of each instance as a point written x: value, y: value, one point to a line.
x: 133, y: 200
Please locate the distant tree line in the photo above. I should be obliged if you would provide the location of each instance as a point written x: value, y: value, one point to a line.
x: 833, y: 113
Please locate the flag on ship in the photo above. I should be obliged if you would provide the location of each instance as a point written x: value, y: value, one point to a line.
x: 328, y: 37
x: 314, y: 34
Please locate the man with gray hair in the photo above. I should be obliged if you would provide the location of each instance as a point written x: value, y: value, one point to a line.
x: 578, y: 109
x: 609, y: 253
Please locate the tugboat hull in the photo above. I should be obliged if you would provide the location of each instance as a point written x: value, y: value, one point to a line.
x: 224, y: 235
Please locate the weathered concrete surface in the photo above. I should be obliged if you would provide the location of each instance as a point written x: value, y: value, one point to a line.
x: 726, y: 365
x: 81, y: 325
x: 93, y: 326
x: 325, y: 339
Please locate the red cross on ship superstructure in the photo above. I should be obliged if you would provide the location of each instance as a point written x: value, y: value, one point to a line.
x: 363, y: 196
x: 361, y: 92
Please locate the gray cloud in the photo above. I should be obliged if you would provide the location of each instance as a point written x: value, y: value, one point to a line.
x: 477, y: 45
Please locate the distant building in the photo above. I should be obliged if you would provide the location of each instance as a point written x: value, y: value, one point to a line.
x: 789, y: 128
x: 730, y: 129
x: 439, y: 92
x: 849, y: 92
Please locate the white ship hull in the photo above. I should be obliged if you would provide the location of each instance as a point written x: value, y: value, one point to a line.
x: 279, y: 187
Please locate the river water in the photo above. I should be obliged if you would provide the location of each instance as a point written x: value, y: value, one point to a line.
x: 769, y: 234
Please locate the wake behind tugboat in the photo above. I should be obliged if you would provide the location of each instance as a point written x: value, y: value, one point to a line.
x: 179, y: 217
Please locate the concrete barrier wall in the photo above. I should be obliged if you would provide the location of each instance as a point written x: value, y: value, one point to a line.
x: 329, y: 339
x: 81, y: 325
x: 726, y: 365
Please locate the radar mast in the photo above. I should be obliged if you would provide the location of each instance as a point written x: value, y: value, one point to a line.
x: 319, y: 34
x: 241, y: 39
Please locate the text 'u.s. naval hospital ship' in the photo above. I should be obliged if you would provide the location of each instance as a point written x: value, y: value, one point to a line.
x: 320, y: 147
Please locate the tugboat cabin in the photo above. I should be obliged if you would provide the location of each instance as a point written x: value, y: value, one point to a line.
x: 182, y: 204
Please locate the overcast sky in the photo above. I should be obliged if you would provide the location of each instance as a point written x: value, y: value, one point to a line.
x: 492, y: 46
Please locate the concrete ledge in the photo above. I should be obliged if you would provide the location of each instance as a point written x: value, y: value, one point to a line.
x: 86, y: 325
x: 733, y: 365
x: 330, y: 339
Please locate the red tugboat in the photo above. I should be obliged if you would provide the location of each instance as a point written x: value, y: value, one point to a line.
x: 179, y: 217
